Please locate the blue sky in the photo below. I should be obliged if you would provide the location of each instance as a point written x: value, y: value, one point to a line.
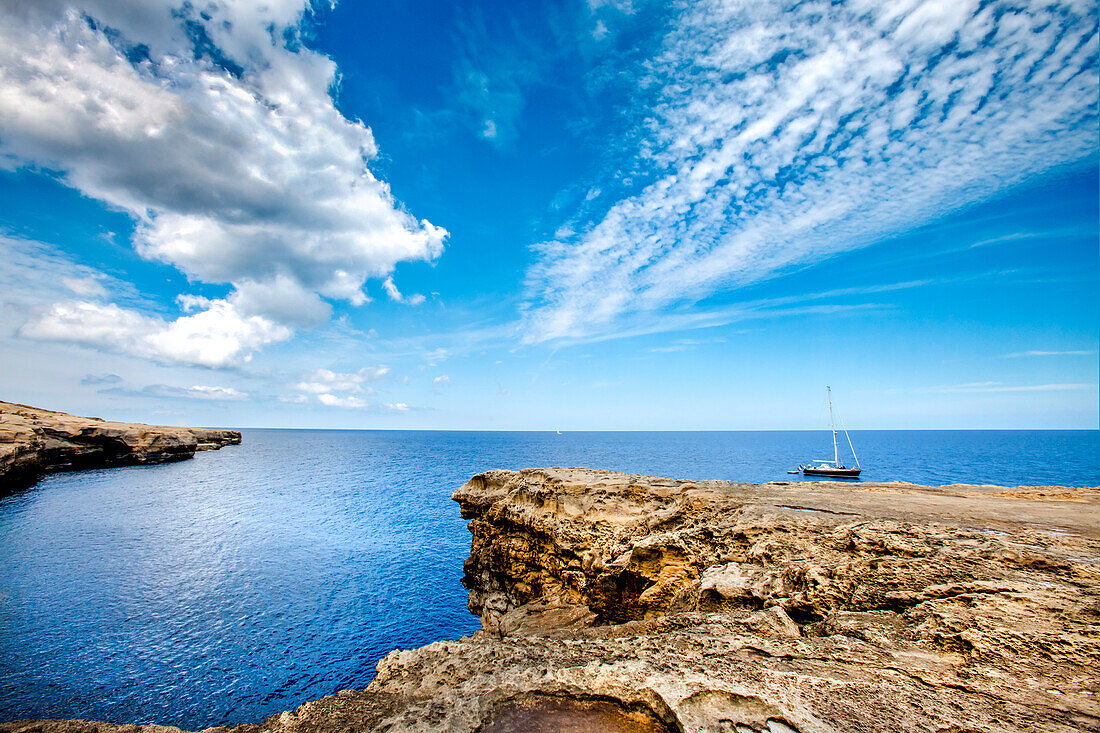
x: 612, y: 214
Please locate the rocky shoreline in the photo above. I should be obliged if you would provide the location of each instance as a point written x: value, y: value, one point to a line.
x: 34, y: 442
x: 614, y: 602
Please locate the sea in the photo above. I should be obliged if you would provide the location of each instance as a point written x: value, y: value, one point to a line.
x: 249, y: 580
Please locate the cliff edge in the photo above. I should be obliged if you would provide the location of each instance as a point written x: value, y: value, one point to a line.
x: 34, y: 441
x: 614, y: 602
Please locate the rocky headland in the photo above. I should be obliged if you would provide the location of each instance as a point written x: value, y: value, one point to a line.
x: 614, y: 602
x: 34, y: 441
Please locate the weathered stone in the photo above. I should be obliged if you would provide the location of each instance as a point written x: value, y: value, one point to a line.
x: 617, y: 602
x: 35, y: 441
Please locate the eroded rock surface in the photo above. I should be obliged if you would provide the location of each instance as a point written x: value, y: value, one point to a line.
x: 616, y: 602
x: 35, y: 441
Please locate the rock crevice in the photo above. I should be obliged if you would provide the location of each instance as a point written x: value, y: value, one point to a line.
x: 614, y: 602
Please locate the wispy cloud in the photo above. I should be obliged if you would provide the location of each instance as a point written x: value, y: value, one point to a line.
x: 1019, y: 354
x: 999, y: 387
x: 396, y: 296
x: 99, y: 379
x: 194, y: 392
x: 494, y: 63
x: 86, y: 286
x: 685, y: 344
x: 1026, y: 237
x: 791, y: 131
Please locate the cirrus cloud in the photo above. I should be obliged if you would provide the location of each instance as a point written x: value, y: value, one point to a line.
x: 787, y: 132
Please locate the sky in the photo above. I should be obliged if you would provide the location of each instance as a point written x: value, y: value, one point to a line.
x: 565, y: 215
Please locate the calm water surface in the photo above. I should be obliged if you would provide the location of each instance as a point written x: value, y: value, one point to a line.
x: 252, y: 579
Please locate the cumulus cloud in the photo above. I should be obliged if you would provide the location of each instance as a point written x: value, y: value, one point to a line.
x: 337, y: 389
x: 331, y: 400
x: 358, y: 403
x: 219, y: 336
x: 786, y: 132
x: 320, y: 381
x: 442, y: 379
x: 214, y: 128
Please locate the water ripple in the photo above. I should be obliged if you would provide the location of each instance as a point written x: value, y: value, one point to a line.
x: 251, y: 579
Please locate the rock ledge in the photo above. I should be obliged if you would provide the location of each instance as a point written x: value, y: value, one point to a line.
x: 34, y: 441
x: 614, y: 602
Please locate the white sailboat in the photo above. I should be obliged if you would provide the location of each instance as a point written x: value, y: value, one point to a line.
x: 834, y: 468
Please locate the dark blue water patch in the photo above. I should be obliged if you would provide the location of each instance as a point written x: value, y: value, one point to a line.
x: 251, y: 579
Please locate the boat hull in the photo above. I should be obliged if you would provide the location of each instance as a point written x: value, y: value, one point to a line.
x: 833, y: 472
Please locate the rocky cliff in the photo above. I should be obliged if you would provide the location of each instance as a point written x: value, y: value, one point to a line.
x: 35, y: 441
x: 612, y: 602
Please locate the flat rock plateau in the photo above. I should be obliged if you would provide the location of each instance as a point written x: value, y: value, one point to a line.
x: 614, y: 602
x: 35, y: 441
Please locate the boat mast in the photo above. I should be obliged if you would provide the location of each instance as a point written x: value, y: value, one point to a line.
x: 832, y: 425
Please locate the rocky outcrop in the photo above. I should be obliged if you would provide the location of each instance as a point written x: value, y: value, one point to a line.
x: 612, y: 602
x: 35, y: 441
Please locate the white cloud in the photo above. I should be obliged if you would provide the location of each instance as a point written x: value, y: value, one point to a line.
x: 442, y: 379
x: 350, y: 401
x: 101, y: 379
x: 321, y: 381
x: 217, y: 337
x: 283, y: 300
x: 167, y: 391
x: 1036, y: 352
x: 34, y: 274
x: 435, y: 356
x: 397, y: 297
x: 981, y: 387
x: 88, y: 287
x: 216, y: 131
x: 347, y: 390
x: 208, y: 392
x: 789, y: 131
x: 358, y: 403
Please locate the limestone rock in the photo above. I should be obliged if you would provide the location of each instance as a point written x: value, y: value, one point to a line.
x: 35, y: 441
x: 613, y: 602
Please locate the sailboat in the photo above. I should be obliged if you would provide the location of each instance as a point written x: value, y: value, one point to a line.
x: 834, y: 468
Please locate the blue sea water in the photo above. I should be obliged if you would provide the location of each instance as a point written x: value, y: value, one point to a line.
x: 251, y: 579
